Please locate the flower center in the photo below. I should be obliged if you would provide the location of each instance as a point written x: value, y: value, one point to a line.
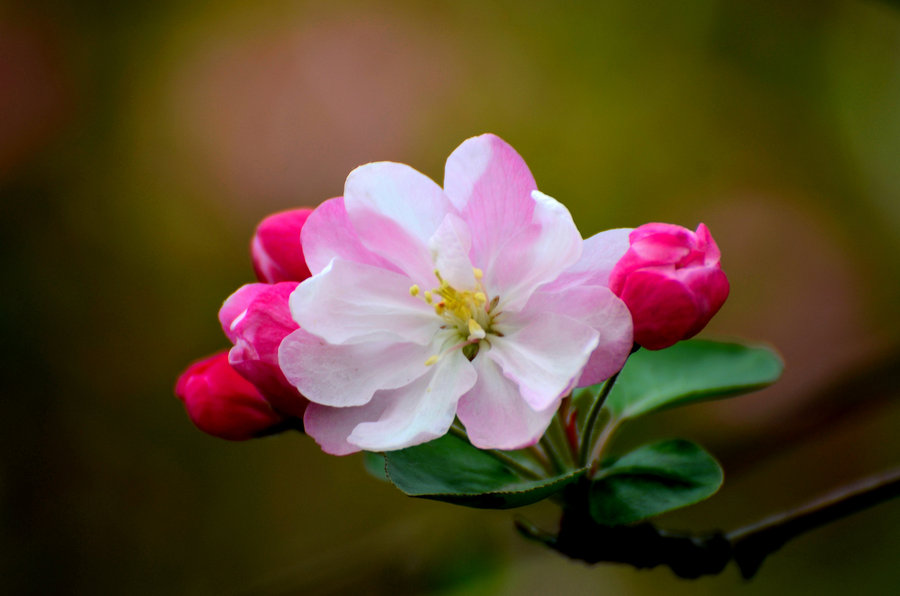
x: 467, y: 315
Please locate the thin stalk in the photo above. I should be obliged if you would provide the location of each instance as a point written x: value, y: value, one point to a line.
x: 499, y: 456
x: 539, y: 455
x: 556, y: 458
x: 557, y: 435
x: 600, y: 445
x: 587, y: 436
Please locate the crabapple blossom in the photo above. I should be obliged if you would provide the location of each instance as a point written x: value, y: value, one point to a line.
x: 479, y: 300
x: 672, y: 282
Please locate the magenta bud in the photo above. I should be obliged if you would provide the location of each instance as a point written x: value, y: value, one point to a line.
x: 256, y: 318
x: 276, y: 250
x: 671, y: 281
x: 222, y: 403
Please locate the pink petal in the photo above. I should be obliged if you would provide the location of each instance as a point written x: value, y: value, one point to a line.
x: 494, y: 413
x: 353, y: 303
x: 395, y: 210
x: 709, y: 287
x: 348, y: 374
x: 398, y: 418
x: 538, y: 254
x: 328, y: 234
x: 236, y: 305
x: 275, y: 248
x: 265, y: 318
x: 543, y: 353
x: 602, y: 310
x: 663, y: 308
x: 708, y: 245
x: 491, y: 186
x: 599, y: 255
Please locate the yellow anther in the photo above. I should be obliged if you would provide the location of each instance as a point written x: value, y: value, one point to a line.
x: 414, y: 290
x: 475, y: 330
x: 427, y: 295
x: 431, y: 361
x: 478, y: 272
x: 480, y: 298
x: 439, y: 308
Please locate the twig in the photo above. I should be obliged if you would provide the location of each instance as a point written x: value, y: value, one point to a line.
x: 753, y: 543
x: 644, y: 545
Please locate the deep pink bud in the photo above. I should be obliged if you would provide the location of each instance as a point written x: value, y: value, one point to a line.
x: 276, y: 251
x: 672, y: 282
x: 222, y: 403
x: 256, y: 318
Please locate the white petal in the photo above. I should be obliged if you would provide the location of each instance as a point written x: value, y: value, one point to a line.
x: 495, y: 414
x: 543, y: 354
x: 348, y: 374
x: 395, y: 210
x: 599, y: 308
x: 420, y: 411
x: 352, y: 302
x: 330, y: 427
x: 450, y: 246
x: 536, y: 255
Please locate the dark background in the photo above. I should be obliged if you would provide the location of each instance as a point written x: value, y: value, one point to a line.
x: 140, y: 143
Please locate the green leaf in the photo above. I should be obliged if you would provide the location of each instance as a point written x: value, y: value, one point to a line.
x: 688, y: 372
x: 651, y: 480
x: 374, y: 464
x: 450, y: 469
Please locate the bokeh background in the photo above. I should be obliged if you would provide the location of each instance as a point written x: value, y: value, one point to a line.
x: 141, y: 141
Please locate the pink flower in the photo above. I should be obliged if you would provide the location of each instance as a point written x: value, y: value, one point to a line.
x: 222, y: 403
x: 256, y: 318
x: 672, y: 282
x: 479, y: 300
x: 275, y: 248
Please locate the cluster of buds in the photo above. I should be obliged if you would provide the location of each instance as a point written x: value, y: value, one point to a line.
x: 241, y: 393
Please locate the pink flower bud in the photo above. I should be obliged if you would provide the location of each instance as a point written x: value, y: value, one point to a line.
x: 672, y: 282
x: 276, y: 251
x: 256, y: 318
x: 220, y: 402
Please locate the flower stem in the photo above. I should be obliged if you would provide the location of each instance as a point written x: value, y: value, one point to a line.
x: 540, y: 456
x: 587, y: 436
x: 559, y: 464
x: 557, y: 435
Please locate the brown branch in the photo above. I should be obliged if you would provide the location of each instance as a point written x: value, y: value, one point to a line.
x: 753, y: 543
x: 645, y: 546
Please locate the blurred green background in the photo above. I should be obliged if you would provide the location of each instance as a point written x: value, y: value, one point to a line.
x: 140, y: 143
